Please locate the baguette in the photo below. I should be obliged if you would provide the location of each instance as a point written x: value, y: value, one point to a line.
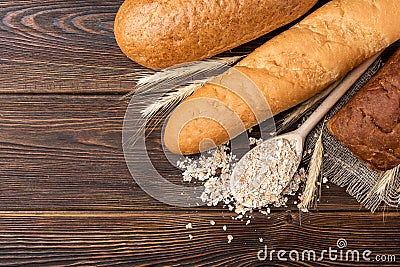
x: 286, y: 70
x: 158, y: 33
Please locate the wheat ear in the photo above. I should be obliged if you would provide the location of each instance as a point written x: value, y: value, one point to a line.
x: 313, y: 183
x: 173, y: 85
x: 167, y: 79
x: 382, y: 188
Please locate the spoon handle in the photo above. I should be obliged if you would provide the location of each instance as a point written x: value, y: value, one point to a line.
x: 334, y: 96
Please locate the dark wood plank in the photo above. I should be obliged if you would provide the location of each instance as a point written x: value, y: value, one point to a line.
x: 67, y: 198
x: 61, y: 152
x: 55, y: 46
x: 161, y: 238
x: 62, y: 46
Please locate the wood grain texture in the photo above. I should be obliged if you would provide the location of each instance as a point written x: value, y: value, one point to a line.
x: 61, y: 152
x: 161, y: 238
x: 69, y: 47
x: 66, y: 195
x: 56, y: 46
x: 64, y: 46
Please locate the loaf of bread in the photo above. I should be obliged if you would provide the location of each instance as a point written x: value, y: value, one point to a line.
x: 159, y: 33
x: 369, y: 124
x: 286, y: 70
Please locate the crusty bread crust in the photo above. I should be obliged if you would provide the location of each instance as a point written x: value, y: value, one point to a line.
x: 159, y: 33
x: 295, y: 65
x: 369, y: 124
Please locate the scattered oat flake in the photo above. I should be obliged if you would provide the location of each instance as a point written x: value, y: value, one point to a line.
x: 248, y: 222
x: 189, y: 226
x: 230, y: 238
x: 224, y: 227
x: 212, y: 222
x: 214, y: 169
x: 263, y: 212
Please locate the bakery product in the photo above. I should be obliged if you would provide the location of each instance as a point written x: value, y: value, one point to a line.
x: 369, y: 124
x: 158, y: 33
x: 285, y: 71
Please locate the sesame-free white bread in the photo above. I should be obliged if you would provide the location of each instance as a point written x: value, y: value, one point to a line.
x: 288, y: 69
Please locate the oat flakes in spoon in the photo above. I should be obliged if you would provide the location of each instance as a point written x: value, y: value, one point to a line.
x: 263, y: 173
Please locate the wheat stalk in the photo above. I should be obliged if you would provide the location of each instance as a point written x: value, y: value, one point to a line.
x: 382, y: 188
x: 175, y: 76
x: 187, y: 78
x: 185, y: 70
x: 173, y: 85
x: 171, y: 99
x: 313, y: 177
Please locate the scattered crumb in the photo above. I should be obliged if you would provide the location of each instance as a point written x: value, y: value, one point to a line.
x: 261, y: 240
x: 189, y: 226
x: 206, y: 167
x: 212, y: 222
x: 248, y: 222
x: 324, y: 180
x: 230, y: 238
x: 263, y: 212
x: 224, y: 227
x: 253, y: 141
x: 190, y: 237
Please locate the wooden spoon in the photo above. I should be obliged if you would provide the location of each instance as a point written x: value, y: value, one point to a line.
x: 250, y: 171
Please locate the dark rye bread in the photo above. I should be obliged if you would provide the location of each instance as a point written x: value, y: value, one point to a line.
x: 369, y: 124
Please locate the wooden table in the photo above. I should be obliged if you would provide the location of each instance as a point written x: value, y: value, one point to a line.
x: 66, y: 196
